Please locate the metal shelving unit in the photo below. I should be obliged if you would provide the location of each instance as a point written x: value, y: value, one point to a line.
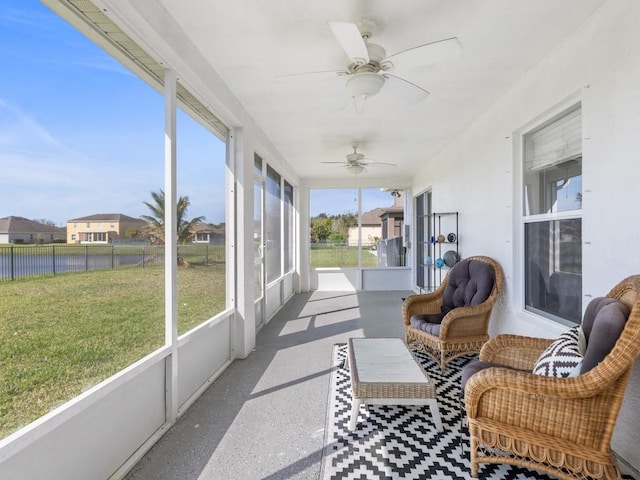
x: 445, y: 238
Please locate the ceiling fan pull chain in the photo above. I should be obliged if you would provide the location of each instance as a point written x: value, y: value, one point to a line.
x: 359, y: 103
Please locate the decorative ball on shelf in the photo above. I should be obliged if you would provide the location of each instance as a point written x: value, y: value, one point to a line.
x: 441, y: 239
x: 450, y: 258
x: 439, y: 263
x: 452, y: 237
x: 428, y: 261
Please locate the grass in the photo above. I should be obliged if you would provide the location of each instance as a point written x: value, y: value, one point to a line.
x: 340, y: 256
x: 63, y: 334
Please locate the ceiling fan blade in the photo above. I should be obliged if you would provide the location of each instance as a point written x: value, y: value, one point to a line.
x: 336, y: 163
x: 320, y: 75
x: 379, y: 164
x: 351, y: 41
x: 408, y: 91
x: 427, y: 54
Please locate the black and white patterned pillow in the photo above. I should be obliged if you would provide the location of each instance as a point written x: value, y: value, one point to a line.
x: 563, y: 357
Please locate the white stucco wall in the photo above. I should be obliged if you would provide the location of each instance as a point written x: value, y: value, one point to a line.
x: 599, y: 64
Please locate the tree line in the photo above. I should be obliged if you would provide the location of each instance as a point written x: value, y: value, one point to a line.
x: 332, y: 228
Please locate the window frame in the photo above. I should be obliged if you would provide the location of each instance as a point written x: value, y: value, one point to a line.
x: 546, y: 217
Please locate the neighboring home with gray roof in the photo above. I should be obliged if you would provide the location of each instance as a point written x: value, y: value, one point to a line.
x: 371, y: 228
x: 103, y: 228
x: 22, y: 230
x: 208, y: 233
x: 380, y: 223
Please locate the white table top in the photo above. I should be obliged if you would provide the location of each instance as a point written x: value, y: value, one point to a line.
x: 385, y: 360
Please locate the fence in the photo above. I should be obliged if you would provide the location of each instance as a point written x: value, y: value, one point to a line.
x: 18, y: 261
x: 340, y: 255
x: 391, y: 253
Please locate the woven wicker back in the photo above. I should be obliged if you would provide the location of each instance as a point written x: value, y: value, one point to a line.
x: 627, y: 291
x: 627, y: 348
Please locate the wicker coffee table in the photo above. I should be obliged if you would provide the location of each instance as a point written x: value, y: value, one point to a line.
x: 384, y: 372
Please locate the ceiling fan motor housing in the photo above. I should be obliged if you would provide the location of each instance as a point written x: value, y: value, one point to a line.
x: 354, y: 157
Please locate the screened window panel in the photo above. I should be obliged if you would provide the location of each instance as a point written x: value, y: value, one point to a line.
x: 288, y: 225
x: 273, y: 225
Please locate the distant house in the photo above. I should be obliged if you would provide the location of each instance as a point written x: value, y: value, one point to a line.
x: 380, y: 223
x: 371, y: 228
x: 392, y: 220
x: 22, y: 230
x: 207, y: 233
x: 102, y: 228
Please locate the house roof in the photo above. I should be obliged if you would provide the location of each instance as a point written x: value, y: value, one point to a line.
x: 105, y: 217
x: 14, y: 224
x: 393, y: 210
x: 208, y: 228
x: 372, y: 217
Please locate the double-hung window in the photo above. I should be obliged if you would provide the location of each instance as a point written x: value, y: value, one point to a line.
x: 552, y: 190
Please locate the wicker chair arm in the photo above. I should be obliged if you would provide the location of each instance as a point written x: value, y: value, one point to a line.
x: 467, y: 311
x: 542, y: 409
x: 420, y: 304
x: 515, y: 351
x: 470, y: 320
x: 499, y: 382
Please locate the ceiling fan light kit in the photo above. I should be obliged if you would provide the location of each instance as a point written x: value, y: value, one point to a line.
x: 365, y: 84
x: 355, y: 169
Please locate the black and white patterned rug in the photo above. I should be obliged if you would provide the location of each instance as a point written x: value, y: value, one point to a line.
x: 401, y: 442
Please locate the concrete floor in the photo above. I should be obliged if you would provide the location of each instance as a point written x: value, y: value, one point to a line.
x: 264, y: 417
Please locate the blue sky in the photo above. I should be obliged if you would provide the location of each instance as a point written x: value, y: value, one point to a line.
x: 80, y: 134
x: 344, y: 200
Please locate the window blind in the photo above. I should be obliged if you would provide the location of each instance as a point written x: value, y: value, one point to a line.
x: 554, y: 143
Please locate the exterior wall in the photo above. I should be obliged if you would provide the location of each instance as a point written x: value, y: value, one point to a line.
x: 81, y: 228
x: 210, y: 238
x: 46, y: 237
x: 598, y: 64
x: 368, y: 234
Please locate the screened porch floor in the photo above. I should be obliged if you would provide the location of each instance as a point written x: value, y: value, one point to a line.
x: 264, y: 417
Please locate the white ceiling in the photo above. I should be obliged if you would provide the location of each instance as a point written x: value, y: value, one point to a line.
x: 251, y: 42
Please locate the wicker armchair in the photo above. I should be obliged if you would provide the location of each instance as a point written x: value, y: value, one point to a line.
x: 453, y: 331
x: 561, y: 426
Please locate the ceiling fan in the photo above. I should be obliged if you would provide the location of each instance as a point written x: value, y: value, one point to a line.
x: 369, y: 65
x: 356, y: 162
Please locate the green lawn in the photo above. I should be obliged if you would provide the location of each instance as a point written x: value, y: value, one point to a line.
x: 63, y: 334
x: 340, y: 256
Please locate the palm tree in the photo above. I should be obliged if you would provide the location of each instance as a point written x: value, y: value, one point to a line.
x: 155, y: 221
